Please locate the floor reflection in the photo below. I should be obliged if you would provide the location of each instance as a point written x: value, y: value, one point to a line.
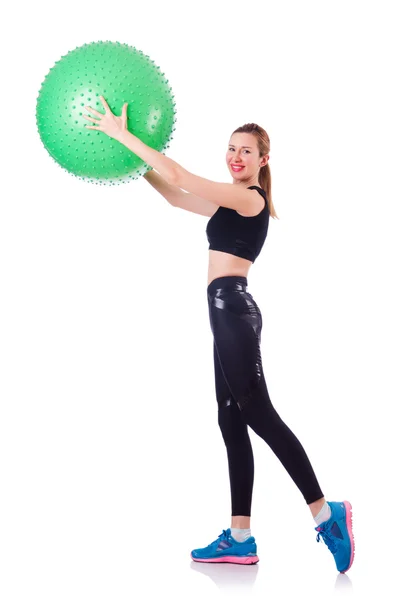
x: 227, y: 575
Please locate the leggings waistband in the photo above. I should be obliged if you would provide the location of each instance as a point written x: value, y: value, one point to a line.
x: 236, y: 283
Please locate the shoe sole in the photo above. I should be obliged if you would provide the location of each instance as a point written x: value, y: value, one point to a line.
x: 239, y: 560
x: 349, y: 522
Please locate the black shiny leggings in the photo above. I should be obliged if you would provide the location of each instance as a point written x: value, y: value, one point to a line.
x: 243, y: 399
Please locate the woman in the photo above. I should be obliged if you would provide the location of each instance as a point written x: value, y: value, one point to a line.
x: 236, y: 233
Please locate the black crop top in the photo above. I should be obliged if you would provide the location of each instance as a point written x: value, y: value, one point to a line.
x: 230, y: 232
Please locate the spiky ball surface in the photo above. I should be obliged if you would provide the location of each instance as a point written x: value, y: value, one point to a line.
x: 120, y: 73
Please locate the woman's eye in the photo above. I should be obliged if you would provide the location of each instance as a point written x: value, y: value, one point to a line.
x: 246, y: 150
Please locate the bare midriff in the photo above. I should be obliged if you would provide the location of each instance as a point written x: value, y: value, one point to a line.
x: 223, y: 263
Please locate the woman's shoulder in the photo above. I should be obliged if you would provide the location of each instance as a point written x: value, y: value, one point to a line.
x: 257, y: 187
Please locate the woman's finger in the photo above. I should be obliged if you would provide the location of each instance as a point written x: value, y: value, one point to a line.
x: 105, y: 104
x: 90, y: 119
x: 92, y: 110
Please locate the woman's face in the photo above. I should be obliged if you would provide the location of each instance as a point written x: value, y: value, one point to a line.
x: 243, y: 151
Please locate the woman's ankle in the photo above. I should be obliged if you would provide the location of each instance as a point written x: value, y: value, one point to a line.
x: 241, y: 522
x: 316, y: 506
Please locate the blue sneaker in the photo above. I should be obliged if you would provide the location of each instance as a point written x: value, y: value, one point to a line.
x: 337, y: 534
x: 227, y: 549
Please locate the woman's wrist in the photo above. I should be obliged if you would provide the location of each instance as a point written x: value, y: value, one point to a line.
x: 124, y: 137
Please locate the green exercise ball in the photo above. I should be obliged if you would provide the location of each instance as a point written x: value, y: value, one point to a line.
x: 120, y: 73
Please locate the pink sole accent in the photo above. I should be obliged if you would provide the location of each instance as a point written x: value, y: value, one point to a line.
x: 349, y: 522
x: 240, y: 560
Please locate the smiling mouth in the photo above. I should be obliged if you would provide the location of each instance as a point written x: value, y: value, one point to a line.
x: 234, y: 168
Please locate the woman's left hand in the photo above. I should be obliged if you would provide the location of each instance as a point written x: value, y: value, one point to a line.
x: 113, y: 126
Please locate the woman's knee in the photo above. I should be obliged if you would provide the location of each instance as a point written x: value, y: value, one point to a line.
x: 232, y: 425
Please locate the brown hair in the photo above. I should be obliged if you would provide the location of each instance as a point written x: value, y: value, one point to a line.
x: 265, y: 179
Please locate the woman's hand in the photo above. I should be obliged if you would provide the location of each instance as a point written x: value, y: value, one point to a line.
x: 113, y: 126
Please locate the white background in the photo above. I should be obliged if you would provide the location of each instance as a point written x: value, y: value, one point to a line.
x: 112, y: 465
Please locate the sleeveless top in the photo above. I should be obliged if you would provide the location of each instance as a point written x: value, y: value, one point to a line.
x: 229, y: 232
